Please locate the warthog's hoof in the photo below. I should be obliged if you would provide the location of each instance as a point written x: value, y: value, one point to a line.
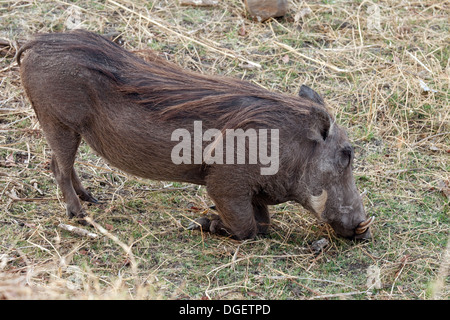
x: 83, y: 222
x: 87, y: 196
x: 77, y: 215
x: 202, y: 223
x: 213, y: 225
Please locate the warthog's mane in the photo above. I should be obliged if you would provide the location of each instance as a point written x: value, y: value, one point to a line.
x: 173, y: 92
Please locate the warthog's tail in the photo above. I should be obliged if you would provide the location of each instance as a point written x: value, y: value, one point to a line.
x: 22, y: 49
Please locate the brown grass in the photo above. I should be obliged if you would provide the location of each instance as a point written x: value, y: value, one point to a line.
x: 384, y: 69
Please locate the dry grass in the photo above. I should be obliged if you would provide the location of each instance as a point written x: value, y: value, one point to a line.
x: 383, y: 67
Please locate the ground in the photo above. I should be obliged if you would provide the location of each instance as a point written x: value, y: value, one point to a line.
x: 383, y: 68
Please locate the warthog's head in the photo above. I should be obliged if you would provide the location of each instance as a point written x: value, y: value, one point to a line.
x: 333, y: 196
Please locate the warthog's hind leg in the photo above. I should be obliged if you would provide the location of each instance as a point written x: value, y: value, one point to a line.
x: 64, y: 143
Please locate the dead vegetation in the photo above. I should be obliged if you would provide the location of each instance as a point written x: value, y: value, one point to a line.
x: 383, y: 68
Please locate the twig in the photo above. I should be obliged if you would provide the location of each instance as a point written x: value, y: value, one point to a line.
x: 430, y: 137
x: 30, y: 199
x: 124, y: 246
x: 343, y: 294
x: 199, y: 3
x: 296, y: 52
x: 78, y: 231
x: 399, y: 272
x: 288, y: 277
x: 418, y: 61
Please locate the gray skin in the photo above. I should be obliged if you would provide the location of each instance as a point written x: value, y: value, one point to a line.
x: 83, y: 86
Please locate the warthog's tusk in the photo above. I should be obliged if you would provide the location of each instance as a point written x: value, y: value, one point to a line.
x: 318, y: 202
x: 363, y: 226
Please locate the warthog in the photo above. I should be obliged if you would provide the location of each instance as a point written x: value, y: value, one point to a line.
x: 82, y: 85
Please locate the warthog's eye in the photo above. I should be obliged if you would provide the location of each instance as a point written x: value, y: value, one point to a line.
x: 345, y: 156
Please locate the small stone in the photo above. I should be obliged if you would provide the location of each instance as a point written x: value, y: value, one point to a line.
x: 262, y: 10
x: 319, y: 245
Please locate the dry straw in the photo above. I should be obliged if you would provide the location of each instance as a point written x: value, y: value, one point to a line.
x: 383, y: 68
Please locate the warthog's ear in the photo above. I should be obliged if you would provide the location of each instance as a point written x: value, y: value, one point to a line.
x: 320, y: 124
x: 308, y: 93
